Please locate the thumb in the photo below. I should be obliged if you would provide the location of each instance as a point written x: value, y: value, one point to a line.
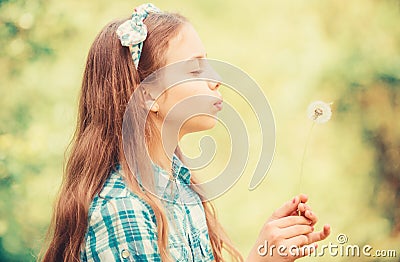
x: 287, y: 209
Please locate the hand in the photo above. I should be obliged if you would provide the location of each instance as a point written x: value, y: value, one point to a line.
x: 286, y: 229
x: 306, y: 211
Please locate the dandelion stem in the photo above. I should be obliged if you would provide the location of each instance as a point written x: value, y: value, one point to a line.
x: 304, y: 155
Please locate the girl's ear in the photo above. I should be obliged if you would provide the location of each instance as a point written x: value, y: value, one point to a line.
x: 152, y: 106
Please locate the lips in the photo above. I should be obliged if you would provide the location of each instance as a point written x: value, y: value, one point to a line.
x: 218, y: 104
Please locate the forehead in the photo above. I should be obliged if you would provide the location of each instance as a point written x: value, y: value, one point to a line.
x: 185, y: 45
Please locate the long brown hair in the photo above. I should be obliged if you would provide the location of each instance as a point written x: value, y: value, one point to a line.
x: 109, y: 80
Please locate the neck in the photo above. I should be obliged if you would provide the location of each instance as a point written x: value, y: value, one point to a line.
x: 162, y: 147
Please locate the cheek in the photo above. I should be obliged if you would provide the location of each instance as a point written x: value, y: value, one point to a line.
x: 188, y: 89
x: 186, y: 100
x: 179, y: 93
x: 189, y: 106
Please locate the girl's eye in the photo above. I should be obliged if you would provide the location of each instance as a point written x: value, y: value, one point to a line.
x: 196, y: 72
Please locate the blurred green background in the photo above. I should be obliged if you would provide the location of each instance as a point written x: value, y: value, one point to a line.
x: 346, y: 52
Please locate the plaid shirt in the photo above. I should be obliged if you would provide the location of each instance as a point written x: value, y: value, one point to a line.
x: 122, y: 226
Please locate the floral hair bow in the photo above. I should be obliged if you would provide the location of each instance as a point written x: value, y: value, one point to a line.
x: 133, y: 32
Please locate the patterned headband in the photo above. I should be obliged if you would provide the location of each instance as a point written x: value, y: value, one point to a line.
x: 133, y: 32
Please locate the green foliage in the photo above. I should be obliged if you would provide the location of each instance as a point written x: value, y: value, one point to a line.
x: 341, y: 51
x: 26, y: 42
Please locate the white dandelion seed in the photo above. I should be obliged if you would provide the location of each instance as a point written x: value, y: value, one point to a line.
x: 319, y: 111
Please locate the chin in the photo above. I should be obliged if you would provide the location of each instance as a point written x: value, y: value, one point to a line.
x: 201, y: 123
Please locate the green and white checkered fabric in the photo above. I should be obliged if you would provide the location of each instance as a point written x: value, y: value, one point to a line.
x: 122, y: 226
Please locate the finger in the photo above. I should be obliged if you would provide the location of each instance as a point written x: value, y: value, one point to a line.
x: 296, y: 230
x: 321, y: 235
x: 298, y: 247
x: 311, y: 216
x: 306, y: 250
x: 301, y: 251
x: 307, y: 207
x: 309, y: 249
x: 290, y: 221
x: 303, y: 198
x: 297, y: 241
x: 287, y: 209
x: 303, y: 207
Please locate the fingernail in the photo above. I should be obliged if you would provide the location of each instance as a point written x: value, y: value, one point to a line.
x: 312, y: 229
x: 294, y: 200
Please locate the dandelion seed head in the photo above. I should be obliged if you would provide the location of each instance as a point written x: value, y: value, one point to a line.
x: 319, y: 112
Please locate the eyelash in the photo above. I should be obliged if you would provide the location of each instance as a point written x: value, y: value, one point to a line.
x: 197, y: 72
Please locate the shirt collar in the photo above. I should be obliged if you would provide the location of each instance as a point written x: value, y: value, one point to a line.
x: 180, y: 173
x: 180, y: 170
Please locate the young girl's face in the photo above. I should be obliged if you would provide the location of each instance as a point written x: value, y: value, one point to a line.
x: 191, y: 105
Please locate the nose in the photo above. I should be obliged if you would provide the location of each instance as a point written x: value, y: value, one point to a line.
x: 215, y: 78
x: 214, y: 85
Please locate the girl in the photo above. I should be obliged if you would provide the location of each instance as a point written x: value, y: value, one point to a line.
x: 106, y: 210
